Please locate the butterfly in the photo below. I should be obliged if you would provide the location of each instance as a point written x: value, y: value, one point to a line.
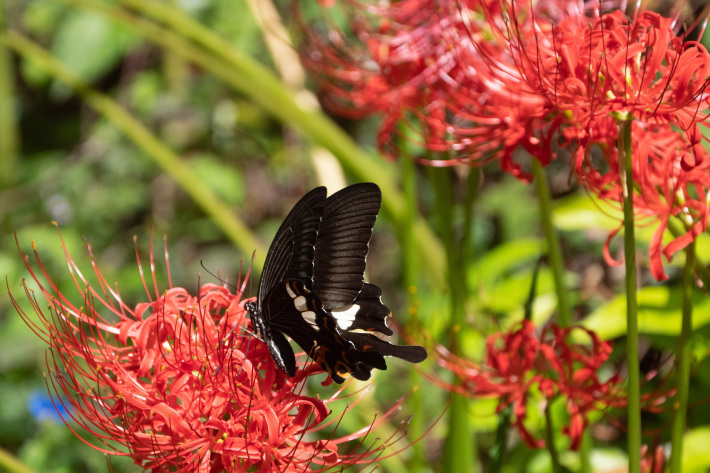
x: 312, y: 288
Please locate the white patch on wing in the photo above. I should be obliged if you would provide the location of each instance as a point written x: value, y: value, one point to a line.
x: 290, y: 291
x: 310, y: 317
x: 300, y: 303
x: 345, y: 316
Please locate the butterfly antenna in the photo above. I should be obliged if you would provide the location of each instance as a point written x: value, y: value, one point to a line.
x: 223, y: 281
x: 251, y: 288
x: 242, y: 282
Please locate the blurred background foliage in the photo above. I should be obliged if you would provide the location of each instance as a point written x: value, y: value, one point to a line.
x: 70, y: 158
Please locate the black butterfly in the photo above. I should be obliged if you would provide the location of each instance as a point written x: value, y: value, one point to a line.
x: 312, y: 288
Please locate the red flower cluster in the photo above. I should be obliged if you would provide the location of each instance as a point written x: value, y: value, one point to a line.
x: 479, y: 80
x: 418, y: 63
x: 174, y: 383
x: 520, y: 362
x: 446, y: 69
x: 595, y: 75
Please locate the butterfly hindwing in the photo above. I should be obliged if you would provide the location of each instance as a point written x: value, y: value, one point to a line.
x: 297, y: 312
x: 367, y: 312
x: 367, y: 342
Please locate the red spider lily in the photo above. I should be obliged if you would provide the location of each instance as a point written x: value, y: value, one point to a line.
x: 580, y: 79
x: 593, y: 74
x: 520, y: 361
x: 402, y: 55
x: 482, y: 79
x: 174, y: 385
x: 576, y: 376
x: 443, y: 68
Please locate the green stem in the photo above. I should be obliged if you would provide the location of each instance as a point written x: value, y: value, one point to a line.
x: 9, y: 133
x: 199, y: 45
x: 504, y: 418
x: 585, y: 451
x: 683, y: 357
x: 406, y: 230
x: 632, y: 335
x: 554, y: 249
x: 550, y: 441
x: 410, y: 271
x: 223, y: 215
x: 459, y: 447
x: 500, y: 445
x: 469, y: 207
x: 701, y: 269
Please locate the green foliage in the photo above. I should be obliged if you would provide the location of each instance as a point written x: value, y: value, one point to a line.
x: 659, y: 313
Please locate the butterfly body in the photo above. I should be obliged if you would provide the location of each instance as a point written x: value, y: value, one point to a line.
x: 312, y: 288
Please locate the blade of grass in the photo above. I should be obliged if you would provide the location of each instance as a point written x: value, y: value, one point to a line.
x: 12, y: 464
x: 9, y: 133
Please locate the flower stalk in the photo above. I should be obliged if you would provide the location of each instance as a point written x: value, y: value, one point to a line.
x: 632, y: 333
x: 683, y: 359
x: 410, y: 271
x: 554, y: 249
x: 550, y: 441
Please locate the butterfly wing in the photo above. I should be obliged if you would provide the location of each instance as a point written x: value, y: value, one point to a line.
x: 367, y: 312
x: 366, y: 342
x: 343, y: 242
x: 290, y: 255
x: 298, y: 313
x: 313, y: 288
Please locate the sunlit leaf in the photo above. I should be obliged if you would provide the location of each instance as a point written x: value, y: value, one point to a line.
x: 503, y: 258
x: 659, y: 313
x: 695, y: 450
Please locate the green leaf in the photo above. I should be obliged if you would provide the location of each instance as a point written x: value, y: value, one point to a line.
x: 659, y: 313
x: 503, y: 258
x: 510, y: 293
x: 582, y: 212
x: 695, y: 450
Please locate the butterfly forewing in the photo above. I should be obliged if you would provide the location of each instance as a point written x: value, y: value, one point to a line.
x: 290, y: 255
x: 343, y: 242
